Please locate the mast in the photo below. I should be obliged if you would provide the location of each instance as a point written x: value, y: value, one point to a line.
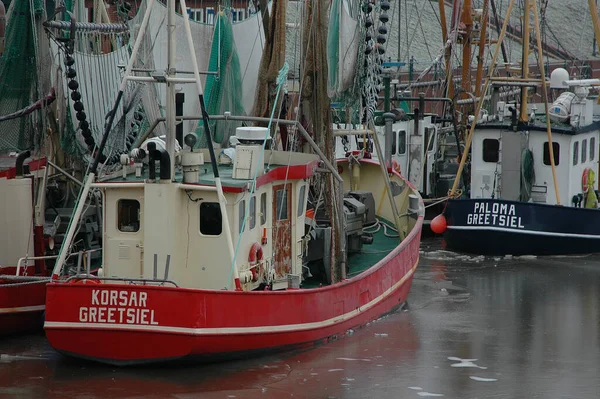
x: 171, y: 71
x: 523, y: 117
x: 467, y: 20
x: 482, y: 43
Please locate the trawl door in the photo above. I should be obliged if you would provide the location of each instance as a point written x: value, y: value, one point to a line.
x: 282, y: 230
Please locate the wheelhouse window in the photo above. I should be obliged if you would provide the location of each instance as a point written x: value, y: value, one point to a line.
x: 555, y: 150
x: 584, y: 151
x: 491, y: 150
x: 252, y: 216
x: 430, y: 138
x: 394, y: 143
x: 575, y: 153
x: 402, y: 142
x: 211, y: 221
x: 592, y: 148
x: 263, y: 208
x: 129, y: 215
x: 281, y: 204
x: 301, y: 200
x: 242, y: 215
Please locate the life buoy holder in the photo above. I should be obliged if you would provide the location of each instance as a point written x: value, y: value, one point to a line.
x: 584, y: 180
x: 255, y: 258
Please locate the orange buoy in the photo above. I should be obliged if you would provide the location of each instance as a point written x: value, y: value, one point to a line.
x: 438, y: 224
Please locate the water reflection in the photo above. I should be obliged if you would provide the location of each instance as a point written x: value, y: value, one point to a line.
x: 475, y: 327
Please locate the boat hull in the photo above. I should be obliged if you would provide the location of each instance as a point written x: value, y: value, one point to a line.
x: 499, y: 227
x: 158, y: 323
x: 21, y: 306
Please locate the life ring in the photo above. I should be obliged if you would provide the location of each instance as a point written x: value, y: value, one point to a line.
x: 86, y: 281
x: 255, y: 258
x: 585, y: 179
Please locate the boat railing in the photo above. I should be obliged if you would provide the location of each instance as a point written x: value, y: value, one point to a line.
x: 131, y: 280
x: 80, y: 255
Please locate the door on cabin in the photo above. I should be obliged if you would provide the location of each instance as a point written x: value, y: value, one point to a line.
x: 282, y: 230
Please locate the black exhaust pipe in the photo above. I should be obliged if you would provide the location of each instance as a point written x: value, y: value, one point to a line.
x: 164, y: 160
x: 19, y: 165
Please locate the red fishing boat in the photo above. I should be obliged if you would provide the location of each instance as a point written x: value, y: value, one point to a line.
x: 255, y: 250
x: 22, y: 278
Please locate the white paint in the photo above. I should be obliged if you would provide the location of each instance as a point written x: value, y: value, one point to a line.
x: 331, y: 370
x: 416, y: 388
x: 235, y: 330
x: 429, y: 394
x: 520, y: 231
x: 352, y: 359
x: 482, y: 379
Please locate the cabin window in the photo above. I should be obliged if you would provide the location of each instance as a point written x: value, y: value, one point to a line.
x: 301, y: 200
x: 592, y: 148
x: 252, y: 216
x: 394, y: 143
x: 129, y: 215
x: 211, y: 221
x: 430, y: 138
x: 402, y: 142
x: 263, y: 208
x: 281, y: 205
x: 575, y: 153
x: 491, y: 150
x: 583, y: 151
x: 242, y: 215
x: 555, y: 150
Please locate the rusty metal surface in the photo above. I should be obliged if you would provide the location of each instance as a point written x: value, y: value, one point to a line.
x: 282, y: 229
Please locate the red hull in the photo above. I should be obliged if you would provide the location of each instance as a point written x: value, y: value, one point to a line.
x: 21, y: 306
x: 129, y: 324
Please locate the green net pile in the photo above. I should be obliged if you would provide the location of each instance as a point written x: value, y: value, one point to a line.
x: 18, y: 75
x: 223, y: 91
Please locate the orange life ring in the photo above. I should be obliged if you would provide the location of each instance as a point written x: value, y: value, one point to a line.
x: 584, y: 180
x: 86, y: 281
x: 255, y: 258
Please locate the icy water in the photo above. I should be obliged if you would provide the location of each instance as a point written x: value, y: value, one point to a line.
x: 474, y: 328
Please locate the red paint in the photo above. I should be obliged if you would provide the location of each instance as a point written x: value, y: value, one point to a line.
x: 13, y: 298
x: 39, y: 248
x: 35, y: 164
x: 218, y: 309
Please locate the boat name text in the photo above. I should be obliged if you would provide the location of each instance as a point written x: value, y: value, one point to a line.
x: 496, y: 214
x: 116, y: 306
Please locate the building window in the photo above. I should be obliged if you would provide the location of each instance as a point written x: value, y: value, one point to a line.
x: 301, y: 200
x: 211, y: 222
x: 555, y: 150
x: 592, y: 148
x: 584, y: 151
x: 252, y: 212
x: 491, y: 150
x: 242, y: 215
x: 263, y: 208
x: 129, y: 215
x: 281, y: 204
x: 394, y: 143
x: 210, y: 15
x: 575, y: 153
x: 402, y: 142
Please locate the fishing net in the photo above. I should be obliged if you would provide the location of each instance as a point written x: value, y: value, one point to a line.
x: 223, y: 91
x: 18, y: 74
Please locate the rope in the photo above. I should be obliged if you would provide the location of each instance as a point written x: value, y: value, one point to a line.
x: 281, y: 79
